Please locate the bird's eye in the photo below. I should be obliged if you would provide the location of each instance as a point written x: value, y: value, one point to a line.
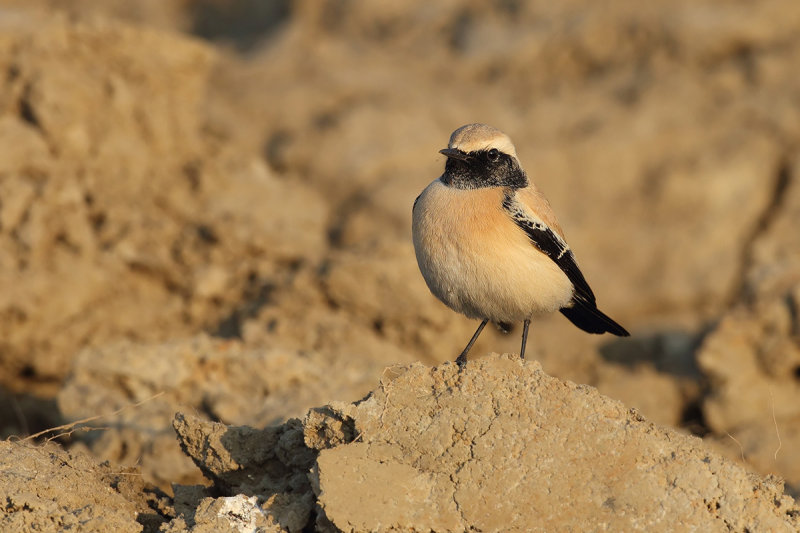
x: 493, y: 154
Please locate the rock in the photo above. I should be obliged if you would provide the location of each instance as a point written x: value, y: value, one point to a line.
x: 140, y: 386
x: 121, y: 216
x: 772, y: 266
x: 384, y: 290
x: 272, y: 464
x: 753, y: 405
x: 45, y: 488
x: 498, y: 446
x: 503, y: 446
x: 301, y: 316
x: 97, y: 105
x: 236, y: 513
x: 656, y: 395
x: 751, y: 358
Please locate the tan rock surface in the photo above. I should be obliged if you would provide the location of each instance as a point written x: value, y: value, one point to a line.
x: 753, y: 408
x: 498, y: 446
x: 272, y: 464
x: 121, y: 217
x: 752, y: 357
x: 45, y: 488
x: 773, y: 262
x: 501, y: 446
x: 141, y: 386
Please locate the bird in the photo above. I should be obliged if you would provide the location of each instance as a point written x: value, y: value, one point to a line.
x: 489, y: 245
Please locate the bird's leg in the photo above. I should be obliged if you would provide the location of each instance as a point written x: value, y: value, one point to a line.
x: 525, y: 326
x: 461, y: 360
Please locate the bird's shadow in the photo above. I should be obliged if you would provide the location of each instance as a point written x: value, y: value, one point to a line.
x: 670, y: 351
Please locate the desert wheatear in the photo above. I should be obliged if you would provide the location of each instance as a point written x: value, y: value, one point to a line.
x: 489, y: 245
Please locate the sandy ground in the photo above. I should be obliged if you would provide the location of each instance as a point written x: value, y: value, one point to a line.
x: 207, y: 284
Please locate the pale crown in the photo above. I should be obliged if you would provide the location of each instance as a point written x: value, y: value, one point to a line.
x: 477, y: 137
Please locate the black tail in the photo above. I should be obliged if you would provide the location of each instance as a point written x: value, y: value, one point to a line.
x: 589, y: 318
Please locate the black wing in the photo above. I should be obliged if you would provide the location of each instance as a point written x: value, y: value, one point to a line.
x: 582, y: 311
x: 546, y: 240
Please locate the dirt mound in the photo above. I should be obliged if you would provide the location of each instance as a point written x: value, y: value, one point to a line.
x: 499, y: 446
x: 752, y: 357
x: 121, y: 217
x: 45, y: 488
x: 202, y: 375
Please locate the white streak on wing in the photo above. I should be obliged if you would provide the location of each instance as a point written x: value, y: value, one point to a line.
x: 523, y: 212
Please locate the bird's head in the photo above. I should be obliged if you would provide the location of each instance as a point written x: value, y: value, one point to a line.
x: 482, y: 156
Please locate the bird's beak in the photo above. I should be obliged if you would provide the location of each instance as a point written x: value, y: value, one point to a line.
x: 455, y: 154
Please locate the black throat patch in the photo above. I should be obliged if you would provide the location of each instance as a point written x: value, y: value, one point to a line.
x: 484, y: 168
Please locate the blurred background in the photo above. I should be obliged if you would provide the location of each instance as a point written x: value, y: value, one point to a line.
x: 209, y: 201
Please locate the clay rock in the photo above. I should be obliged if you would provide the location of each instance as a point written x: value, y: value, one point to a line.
x: 121, y: 216
x: 752, y: 361
x: 503, y: 446
x: 224, y: 379
x: 751, y: 358
x: 44, y: 488
x: 499, y: 446
x: 269, y: 465
x: 103, y: 113
x: 235, y: 513
x: 382, y: 288
x: 773, y: 267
